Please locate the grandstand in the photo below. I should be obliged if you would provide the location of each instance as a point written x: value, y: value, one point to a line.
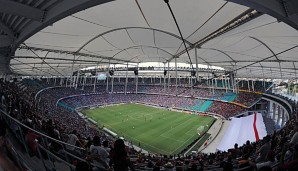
x: 148, y: 85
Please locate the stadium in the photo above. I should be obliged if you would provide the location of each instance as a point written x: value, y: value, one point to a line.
x: 99, y: 85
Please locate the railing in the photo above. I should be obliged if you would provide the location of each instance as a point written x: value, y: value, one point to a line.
x: 20, y: 162
x: 45, y: 150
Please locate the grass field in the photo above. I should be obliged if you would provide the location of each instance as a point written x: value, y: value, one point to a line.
x: 154, y: 129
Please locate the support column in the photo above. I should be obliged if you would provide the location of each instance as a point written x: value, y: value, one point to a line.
x: 95, y: 78
x: 84, y: 82
x: 126, y: 80
x: 71, y: 75
x: 282, y: 117
x: 270, y: 110
x: 66, y: 79
x: 276, y: 113
x: 61, y: 81
x: 226, y: 84
x: 107, y: 88
x: 279, y: 115
x: 137, y: 80
x: 74, y: 81
x: 197, y: 67
x: 215, y: 80
x: 176, y: 75
x: 160, y: 80
x: 77, y: 80
x: 164, y: 77
x: 112, y: 89
x: 55, y: 82
x: 273, y: 111
x: 191, y: 86
x: 168, y: 75
x: 212, y: 84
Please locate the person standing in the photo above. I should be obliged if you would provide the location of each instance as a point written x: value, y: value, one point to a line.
x: 73, y: 140
x: 98, y: 154
x: 119, y: 157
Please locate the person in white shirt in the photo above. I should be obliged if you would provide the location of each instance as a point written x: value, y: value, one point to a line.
x: 72, y: 140
x: 99, y: 155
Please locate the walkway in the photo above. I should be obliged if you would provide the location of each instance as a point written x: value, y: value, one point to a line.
x: 218, y: 128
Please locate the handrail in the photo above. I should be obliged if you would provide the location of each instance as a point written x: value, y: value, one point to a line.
x: 44, y: 135
x: 280, y: 99
x: 52, y: 154
x: 83, y: 160
x: 19, y: 156
x: 44, y: 90
x: 58, y: 158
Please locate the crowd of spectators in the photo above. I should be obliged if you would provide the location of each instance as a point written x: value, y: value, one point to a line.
x: 58, y: 121
x: 247, y: 99
x: 225, y: 109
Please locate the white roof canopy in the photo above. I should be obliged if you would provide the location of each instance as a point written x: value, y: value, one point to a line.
x: 139, y: 31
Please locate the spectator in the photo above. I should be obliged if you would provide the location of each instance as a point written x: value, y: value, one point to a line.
x: 105, y: 145
x: 98, y: 154
x: 119, y: 157
x: 270, y: 161
x: 264, y: 150
x: 73, y: 140
x: 291, y: 165
x: 31, y: 140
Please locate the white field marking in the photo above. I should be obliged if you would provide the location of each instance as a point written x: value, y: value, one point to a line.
x: 177, y: 126
x: 183, y: 142
x: 141, y: 117
x: 186, y: 141
x: 171, y: 138
x: 204, y: 123
x: 147, y: 144
x: 141, y: 141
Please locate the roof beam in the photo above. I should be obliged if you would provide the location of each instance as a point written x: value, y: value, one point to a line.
x: 243, y: 18
x: 221, y: 52
x: 265, y: 46
x: 6, y: 29
x: 283, y: 10
x: 270, y: 51
x: 71, y: 53
x: 19, y: 9
x: 59, y: 59
x: 266, y: 67
x: 140, y: 47
x: 126, y: 28
x: 49, y: 58
x: 42, y: 68
x: 52, y: 63
x: 59, y: 10
x: 273, y: 60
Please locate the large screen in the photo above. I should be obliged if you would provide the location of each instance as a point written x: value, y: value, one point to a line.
x: 101, y: 76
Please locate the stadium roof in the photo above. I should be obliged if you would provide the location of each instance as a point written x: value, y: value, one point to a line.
x: 56, y: 37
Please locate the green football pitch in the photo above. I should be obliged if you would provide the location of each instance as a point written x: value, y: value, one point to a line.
x: 153, y: 129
